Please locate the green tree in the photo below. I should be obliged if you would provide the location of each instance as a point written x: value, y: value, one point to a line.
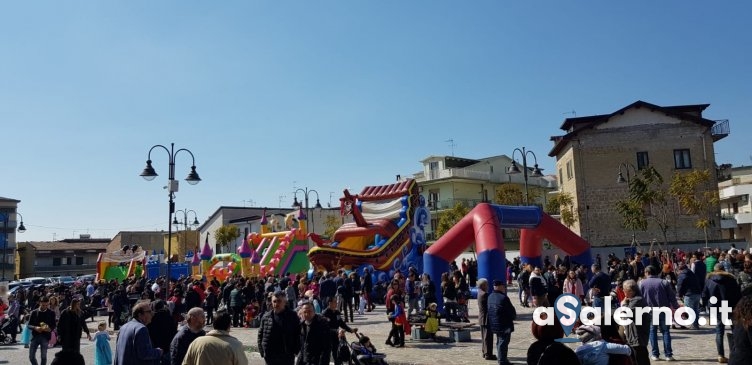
x: 331, y: 223
x: 448, y: 218
x: 695, y: 197
x: 647, y: 201
x: 563, y: 205
x: 509, y: 194
x: 226, y: 234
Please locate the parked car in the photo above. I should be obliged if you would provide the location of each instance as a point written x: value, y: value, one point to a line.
x: 64, y: 280
x: 86, y: 279
x: 37, y: 281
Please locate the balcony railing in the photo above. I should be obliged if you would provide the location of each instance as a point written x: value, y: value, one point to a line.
x: 720, y: 129
x: 450, y: 203
x: 495, y: 177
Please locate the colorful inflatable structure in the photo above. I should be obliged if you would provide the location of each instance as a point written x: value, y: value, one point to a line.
x: 387, y: 234
x: 120, y: 264
x: 267, y: 253
x: 483, y: 225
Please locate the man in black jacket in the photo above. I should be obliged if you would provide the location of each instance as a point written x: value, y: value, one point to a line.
x: 314, y: 337
x: 193, y: 330
x: 720, y: 286
x: 501, y: 315
x: 279, y: 333
x: 688, y: 288
x: 162, y: 328
x: 41, y: 324
x: 336, y: 322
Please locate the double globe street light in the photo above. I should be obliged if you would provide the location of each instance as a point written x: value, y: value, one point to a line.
x: 172, y: 187
x: 187, y: 225
x: 296, y: 203
x: 514, y: 169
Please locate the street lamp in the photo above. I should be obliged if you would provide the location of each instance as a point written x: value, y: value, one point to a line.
x: 187, y: 225
x: 621, y: 180
x: 514, y: 169
x: 172, y: 187
x: 21, y: 229
x: 626, y: 165
x: 296, y: 203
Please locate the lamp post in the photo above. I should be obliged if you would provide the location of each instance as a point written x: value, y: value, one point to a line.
x: 21, y: 229
x: 185, y: 224
x: 514, y: 169
x: 296, y: 203
x: 621, y: 180
x: 172, y: 187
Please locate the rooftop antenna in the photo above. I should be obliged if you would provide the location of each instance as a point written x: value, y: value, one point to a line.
x: 451, y: 144
x: 331, y: 193
x: 281, y: 197
x: 573, y: 113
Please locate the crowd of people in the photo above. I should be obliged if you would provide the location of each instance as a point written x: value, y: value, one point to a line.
x: 304, y: 320
x: 699, y: 280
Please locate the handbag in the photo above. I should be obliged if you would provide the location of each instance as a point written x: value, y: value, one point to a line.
x: 53, y: 339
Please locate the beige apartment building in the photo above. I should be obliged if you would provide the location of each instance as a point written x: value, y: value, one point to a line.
x: 734, y: 190
x: 595, y: 149
x: 448, y: 180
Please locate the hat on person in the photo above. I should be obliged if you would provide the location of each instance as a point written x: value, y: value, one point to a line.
x: 588, y: 333
x: 498, y: 283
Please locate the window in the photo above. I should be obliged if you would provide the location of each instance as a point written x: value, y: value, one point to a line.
x: 561, y: 178
x: 433, y: 170
x: 682, y: 159
x: 433, y: 199
x: 79, y: 260
x: 642, y: 160
x: 570, y: 172
x: 55, y: 261
x: 67, y: 260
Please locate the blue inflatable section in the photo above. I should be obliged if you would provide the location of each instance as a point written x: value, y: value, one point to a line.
x: 517, y: 217
x: 492, y: 265
x: 154, y: 270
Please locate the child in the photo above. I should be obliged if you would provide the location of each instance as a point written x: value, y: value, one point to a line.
x: 102, y: 350
x: 432, y: 321
x: 369, y: 351
x: 399, y: 320
x: 343, y: 348
x: 250, y: 313
x: 363, y: 303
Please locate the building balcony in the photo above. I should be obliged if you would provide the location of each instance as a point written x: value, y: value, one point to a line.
x: 459, y: 173
x: 450, y: 203
x: 720, y: 130
x: 743, y: 218
x: 728, y: 222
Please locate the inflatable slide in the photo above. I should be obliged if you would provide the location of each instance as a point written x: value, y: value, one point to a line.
x: 483, y: 225
x: 385, y: 217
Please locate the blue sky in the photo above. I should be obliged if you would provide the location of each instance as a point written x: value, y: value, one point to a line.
x: 326, y: 94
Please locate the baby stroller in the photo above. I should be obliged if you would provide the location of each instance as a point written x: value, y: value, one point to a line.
x: 7, y: 330
x: 362, y: 352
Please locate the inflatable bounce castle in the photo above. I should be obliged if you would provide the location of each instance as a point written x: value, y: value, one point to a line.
x: 260, y: 254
